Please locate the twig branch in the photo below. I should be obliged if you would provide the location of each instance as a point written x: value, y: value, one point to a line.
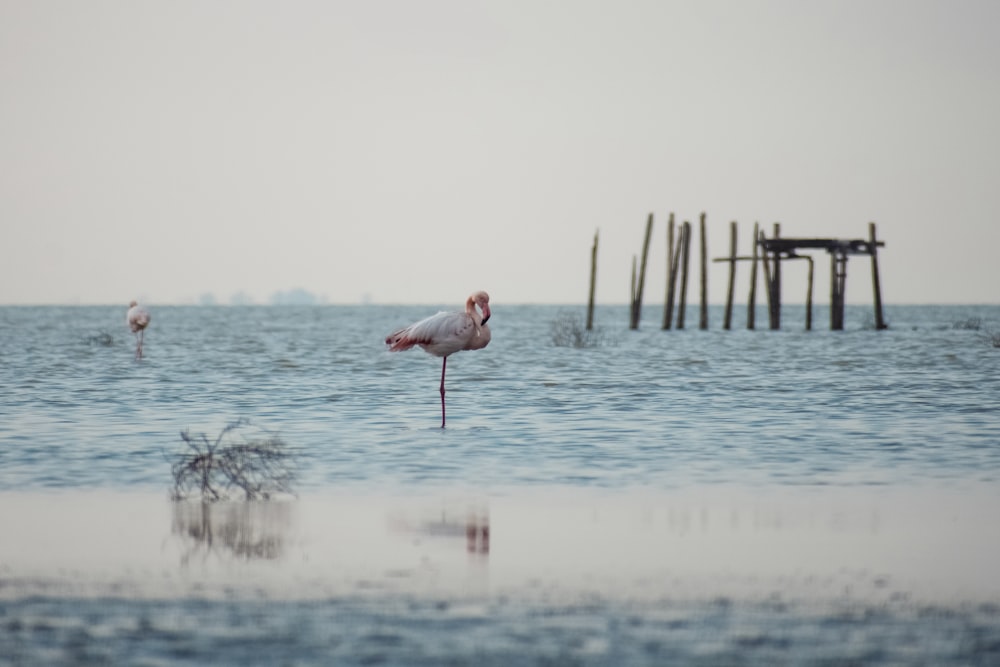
x: 213, y: 470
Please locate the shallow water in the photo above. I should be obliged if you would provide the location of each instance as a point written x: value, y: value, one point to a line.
x: 666, y: 409
x: 712, y: 497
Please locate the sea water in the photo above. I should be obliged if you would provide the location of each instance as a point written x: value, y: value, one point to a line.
x: 809, y: 451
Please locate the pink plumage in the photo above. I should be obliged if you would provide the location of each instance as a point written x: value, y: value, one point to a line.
x: 446, y: 333
x: 137, y: 319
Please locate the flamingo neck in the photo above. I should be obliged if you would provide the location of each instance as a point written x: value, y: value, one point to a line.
x: 477, y: 318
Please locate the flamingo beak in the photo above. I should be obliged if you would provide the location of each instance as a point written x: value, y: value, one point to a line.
x: 486, y: 314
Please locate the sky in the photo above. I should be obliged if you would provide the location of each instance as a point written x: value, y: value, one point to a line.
x: 391, y: 151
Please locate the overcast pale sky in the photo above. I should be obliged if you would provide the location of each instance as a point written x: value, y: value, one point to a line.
x: 412, y: 152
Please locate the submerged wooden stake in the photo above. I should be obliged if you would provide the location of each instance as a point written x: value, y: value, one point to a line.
x: 775, y: 284
x: 703, y: 318
x: 838, y: 282
x: 637, y: 303
x: 593, y: 284
x: 876, y: 285
x: 752, y: 305
x: 685, y: 259
x: 809, y: 296
x: 672, y: 260
x: 631, y: 296
x: 767, y: 281
x: 727, y: 319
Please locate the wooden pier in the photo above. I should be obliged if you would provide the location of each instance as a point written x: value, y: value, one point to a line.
x: 768, y: 252
x: 779, y: 249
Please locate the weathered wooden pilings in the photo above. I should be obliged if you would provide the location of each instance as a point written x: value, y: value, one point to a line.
x: 768, y: 288
x: 839, y: 250
x: 774, y: 286
x: 673, y: 259
x: 752, y: 304
x: 685, y: 260
x: 770, y: 252
x: 593, y: 284
x: 727, y: 318
x: 873, y: 245
x: 637, y: 288
x: 809, y: 296
x: 631, y: 294
x: 703, y: 318
x: 838, y: 283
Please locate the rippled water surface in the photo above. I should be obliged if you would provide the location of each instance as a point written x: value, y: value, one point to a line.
x: 918, y: 401
x: 702, y: 497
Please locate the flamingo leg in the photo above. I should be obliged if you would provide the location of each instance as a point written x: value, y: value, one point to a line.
x: 444, y: 364
x: 142, y: 334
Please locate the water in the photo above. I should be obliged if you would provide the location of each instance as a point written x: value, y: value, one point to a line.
x: 665, y: 409
x: 813, y: 421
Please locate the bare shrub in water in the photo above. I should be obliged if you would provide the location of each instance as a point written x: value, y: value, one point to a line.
x: 101, y: 338
x: 232, y: 465
x: 987, y: 332
x: 569, y: 331
x: 969, y: 324
x: 992, y: 336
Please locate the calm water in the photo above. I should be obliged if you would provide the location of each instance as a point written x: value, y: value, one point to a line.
x: 666, y: 409
x: 809, y: 420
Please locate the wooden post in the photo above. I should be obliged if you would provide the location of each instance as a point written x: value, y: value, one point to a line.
x: 833, y: 290
x: 838, y: 282
x: 809, y: 296
x: 642, y: 268
x: 593, y: 283
x: 752, y: 304
x: 727, y: 320
x: 766, y: 264
x: 843, y: 288
x: 672, y: 260
x: 685, y: 259
x: 631, y: 297
x: 703, y: 319
x: 876, y: 285
x: 642, y: 273
x: 775, y: 288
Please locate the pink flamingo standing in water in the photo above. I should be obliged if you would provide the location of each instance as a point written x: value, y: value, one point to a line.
x: 446, y: 333
x: 137, y: 319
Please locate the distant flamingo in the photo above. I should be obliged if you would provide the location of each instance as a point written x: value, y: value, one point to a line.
x: 137, y: 319
x: 446, y: 333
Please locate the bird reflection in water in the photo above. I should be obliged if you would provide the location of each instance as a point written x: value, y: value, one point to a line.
x: 247, y: 530
x: 477, y: 534
x: 474, y: 526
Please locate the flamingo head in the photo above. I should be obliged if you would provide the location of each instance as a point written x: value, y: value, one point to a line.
x: 132, y: 304
x: 481, y: 299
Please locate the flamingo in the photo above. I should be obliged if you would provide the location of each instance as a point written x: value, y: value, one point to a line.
x: 137, y: 319
x: 446, y: 333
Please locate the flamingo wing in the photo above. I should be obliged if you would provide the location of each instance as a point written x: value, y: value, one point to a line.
x: 441, y: 334
x: 480, y: 341
x: 137, y: 318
